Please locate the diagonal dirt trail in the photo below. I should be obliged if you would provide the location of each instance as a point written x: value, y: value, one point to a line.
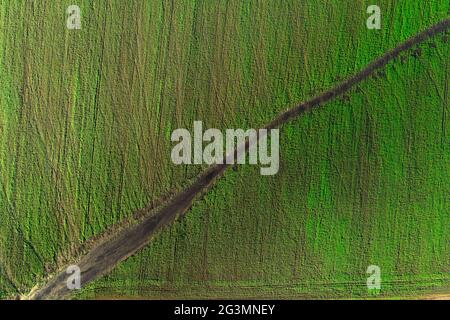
x: 109, y: 252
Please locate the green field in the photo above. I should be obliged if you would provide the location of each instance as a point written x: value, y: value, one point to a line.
x: 85, y: 123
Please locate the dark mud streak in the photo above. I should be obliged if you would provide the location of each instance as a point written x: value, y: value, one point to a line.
x: 106, y: 255
x: 102, y: 258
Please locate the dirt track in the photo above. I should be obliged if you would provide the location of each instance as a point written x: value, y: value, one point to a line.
x: 103, y: 257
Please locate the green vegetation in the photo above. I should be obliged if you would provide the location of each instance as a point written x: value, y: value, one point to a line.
x: 369, y: 189
x: 85, y: 123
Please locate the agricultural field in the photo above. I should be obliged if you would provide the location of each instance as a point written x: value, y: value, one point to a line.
x: 86, y: 118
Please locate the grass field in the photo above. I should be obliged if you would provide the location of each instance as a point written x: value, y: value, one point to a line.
x: 85, y: 124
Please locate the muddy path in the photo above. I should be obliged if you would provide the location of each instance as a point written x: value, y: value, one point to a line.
x: 110, y: 251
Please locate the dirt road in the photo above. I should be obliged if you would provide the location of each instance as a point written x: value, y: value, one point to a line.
x: 107, y: 254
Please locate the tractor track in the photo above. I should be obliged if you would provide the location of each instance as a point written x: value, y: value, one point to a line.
x: 110, y: 251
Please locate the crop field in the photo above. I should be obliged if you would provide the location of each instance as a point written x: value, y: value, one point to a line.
x: 86, y: 118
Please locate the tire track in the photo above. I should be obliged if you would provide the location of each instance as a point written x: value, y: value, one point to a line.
x: 109, y: 252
